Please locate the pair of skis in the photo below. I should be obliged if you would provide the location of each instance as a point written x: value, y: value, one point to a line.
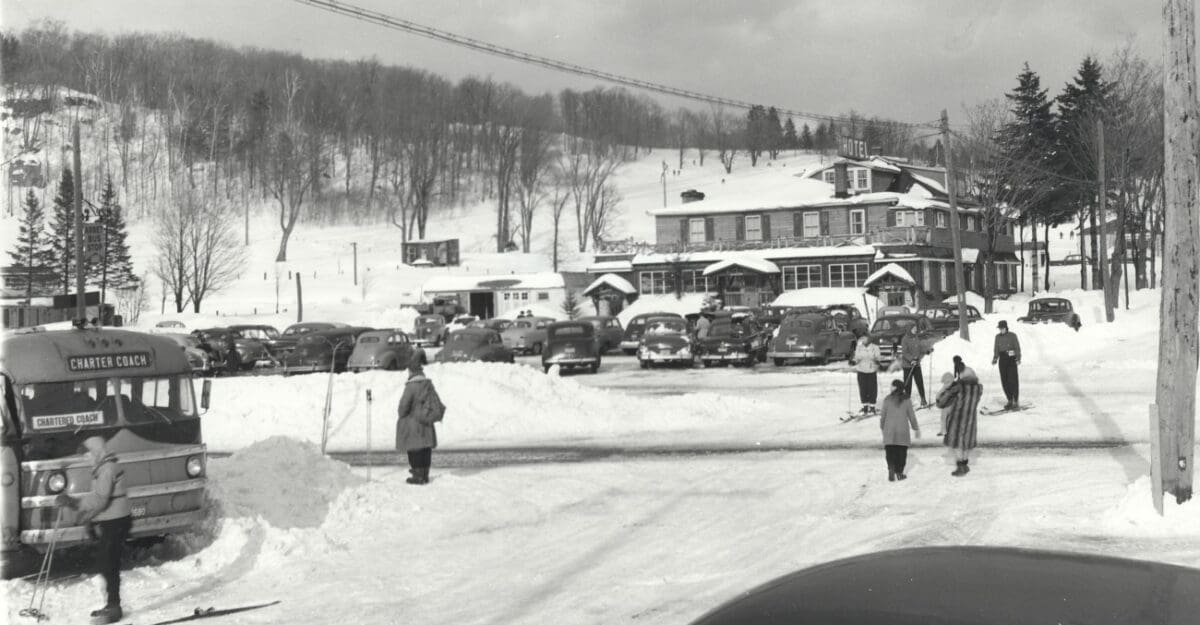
x: 995, y: 411
x: 860, y: 415
x: 200, y: 613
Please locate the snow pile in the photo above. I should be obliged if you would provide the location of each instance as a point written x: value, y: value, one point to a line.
x: 686, y: 305
x: 1134, y: 514
x: 286, y: 482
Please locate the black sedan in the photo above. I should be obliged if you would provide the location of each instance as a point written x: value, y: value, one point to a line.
x: 571, y: 344
x: 322, y: 350
x: 971, y: 585
x: 478, y: 344
x: 1052, y: 310
x: 736, y: 339
x: 291, y: 336
x: 666, y: 341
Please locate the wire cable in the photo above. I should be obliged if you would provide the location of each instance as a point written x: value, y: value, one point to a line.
x: 396, y: 23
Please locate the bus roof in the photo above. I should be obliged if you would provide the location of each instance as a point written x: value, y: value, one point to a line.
x: 69, y: 355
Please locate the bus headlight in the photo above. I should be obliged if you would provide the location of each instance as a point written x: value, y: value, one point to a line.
x: 194, y: 466
x: 56, y: 482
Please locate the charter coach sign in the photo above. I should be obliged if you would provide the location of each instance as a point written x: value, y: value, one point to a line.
x: 131, y: 360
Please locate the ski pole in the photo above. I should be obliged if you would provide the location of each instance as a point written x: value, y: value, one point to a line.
x: 43, y: 577
x: 369, y: 435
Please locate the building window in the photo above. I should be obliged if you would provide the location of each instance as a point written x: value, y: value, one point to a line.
x: 941, y: 220
x: 655, y: 282
x: 525, y: 295
x: 812, y: 224
x: 753, y: 228
x: 910, y: 218
x: 848, y: 275
x: 862, y: 180
x: 801, y: 277
x: 694, y: 281
x: 696, y: 231
x: 830, y: 176
x: 543, y: 296
x: 858, y: 221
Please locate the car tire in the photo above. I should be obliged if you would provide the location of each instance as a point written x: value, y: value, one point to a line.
x: 643, y: 364
x: 779, y: 362
x: 594, y: 367
x: 390, y: 365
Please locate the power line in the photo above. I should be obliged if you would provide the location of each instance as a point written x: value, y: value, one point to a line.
x: 396, y: 23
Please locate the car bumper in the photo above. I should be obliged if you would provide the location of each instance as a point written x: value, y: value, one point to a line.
x: 725, y: 356
x: 629, y: 344
x: 795, y: 353
x: 664, y: 357
x: 426, y: 341
x: 571, y: 361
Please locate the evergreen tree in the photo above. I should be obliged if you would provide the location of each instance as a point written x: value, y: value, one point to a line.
x: 33, y: 253
x: 1028, y: 140
x: 62, y: 239
x: 756, y: 138
x: 116, y: 266
x: 806, y: 138
x: 773, y: 133
x: 570, y: 305
x: 821, y: 137
x: 790, y: 140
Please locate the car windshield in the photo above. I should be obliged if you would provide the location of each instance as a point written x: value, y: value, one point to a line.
x: 428, y: 321
x: 1050, y: 306
x: 893, y: 324
x: 298, y: 330
x: 667, y: 327
x: 369, y: 339
x: 568, y: 331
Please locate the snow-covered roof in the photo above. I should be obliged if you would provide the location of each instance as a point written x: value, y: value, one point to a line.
x: 826, y: 296
x: 970, y: 255
x: 772, y: 254
x: 761, y: 265
x: 606, y: 266
x: 454, y: 284
x: 929, y: 183
x: 890, y: 269
x: 783, y: 192
x: 611, y: 280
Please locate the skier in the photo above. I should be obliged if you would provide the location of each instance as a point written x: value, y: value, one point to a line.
x: 106, y: 512
x: 911, y: 352
x: 865, y: 362
x: 420, y: 407
x: 962, y: 397
x: 1007, y: 352
x: 895, y: 419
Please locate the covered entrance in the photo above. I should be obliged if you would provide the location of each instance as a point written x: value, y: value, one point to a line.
x: 482, y: 304
x: 752, y: 282
x: 893, y: 286
x: 610, y: 293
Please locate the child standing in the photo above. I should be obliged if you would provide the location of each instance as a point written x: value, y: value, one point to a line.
x: 895, y: 418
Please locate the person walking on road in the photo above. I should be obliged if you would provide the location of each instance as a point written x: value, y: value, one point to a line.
x: 962, y: 398
x: 106, y: 513
x: 865, y: 363
x: 911, y: 352
x: 895, y: 418
x: 420, y: 407
x: 1007, y: 353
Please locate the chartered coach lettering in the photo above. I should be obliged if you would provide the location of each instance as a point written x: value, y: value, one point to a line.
x: 132, y: 360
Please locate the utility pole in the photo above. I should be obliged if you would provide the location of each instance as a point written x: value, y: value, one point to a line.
x: 1178, y: 336
x: 1103, y: 208
x: 664, y: 181
x: 355, y: 246
x: 955, y: 239
x: 77, y: 226
x: 299, y: 300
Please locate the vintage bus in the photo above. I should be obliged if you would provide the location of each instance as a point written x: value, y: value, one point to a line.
x: 61, y: 387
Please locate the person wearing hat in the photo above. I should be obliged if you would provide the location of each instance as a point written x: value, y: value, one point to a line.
x: 106, y: 512
x: 420, y: 407
x: 962, y: 398
x: 1007, y: 353
x: 896, y: 416
x: 865, y: 363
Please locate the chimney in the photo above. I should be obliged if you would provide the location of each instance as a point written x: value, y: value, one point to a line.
x: 841, y: 184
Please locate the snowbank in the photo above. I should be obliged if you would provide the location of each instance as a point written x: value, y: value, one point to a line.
x: 1134, y: 515
x: 286, y: 482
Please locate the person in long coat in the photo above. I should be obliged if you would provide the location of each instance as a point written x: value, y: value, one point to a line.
x: 865, y: 363
x: 895, y: 418
x: 415, y: 432
x: 962, y: 397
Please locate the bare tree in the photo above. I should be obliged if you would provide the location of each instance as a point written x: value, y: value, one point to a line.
x: 725, y: 137
x: 171, y: 225
x: 133, y: 300
x: 289, y: 176
x: 214, y: 258
x: 560, y: 194
x: 531, y: 175
x: 586, y: 175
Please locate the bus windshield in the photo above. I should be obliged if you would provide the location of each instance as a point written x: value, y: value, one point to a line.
x: 86, y: 404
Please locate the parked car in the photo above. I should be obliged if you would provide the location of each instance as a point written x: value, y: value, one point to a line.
x: 811, y: 336
x: 498, y: 325
x: 849, y: 316
x: 666, y: 340
x: 474, y: 344
x: 389, y: 350
x: 428, y: 330
x: 571, y: 344
x: 445, y: 306
x: 944, y: 317
x: 888, y: 332
x: 888, y: 311
x: 1052, y: 310
x: 740, y: 341
x: 771, y: 316
x: 293, y: 333
x: 456, y: 324
x: 200, y: 360
x: 169, y: 323
x: 250, y: 351
x: 976, y: 585
x: 322, y: 349
x: 526, y: 335
x: 267, y: 335
x: 609, y: 332
x: 632, y: 336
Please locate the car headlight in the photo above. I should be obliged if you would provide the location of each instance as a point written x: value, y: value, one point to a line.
x: 56, y: 482
x: 194, y: 466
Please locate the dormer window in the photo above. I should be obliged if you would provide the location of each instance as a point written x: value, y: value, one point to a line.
x: 862, y: 180
x: 830, y: 176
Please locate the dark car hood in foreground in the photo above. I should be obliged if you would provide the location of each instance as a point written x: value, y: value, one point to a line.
x: 971, y: 586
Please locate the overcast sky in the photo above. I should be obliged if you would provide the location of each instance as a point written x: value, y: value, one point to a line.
x: 899, y: 59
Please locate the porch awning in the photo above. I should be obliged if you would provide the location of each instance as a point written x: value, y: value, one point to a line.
x: 970, y: 255
x: 612, y: 281
x: 756, y: 265
x: 893, y: 271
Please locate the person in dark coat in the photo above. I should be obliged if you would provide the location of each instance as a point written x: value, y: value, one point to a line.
x: 962, y: 397
x: 106, y: 512
x: 865, y: 363
x: 1007, y: 353
x: 415, y: 432
x: 896, y: 416
x: 911, y: 352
